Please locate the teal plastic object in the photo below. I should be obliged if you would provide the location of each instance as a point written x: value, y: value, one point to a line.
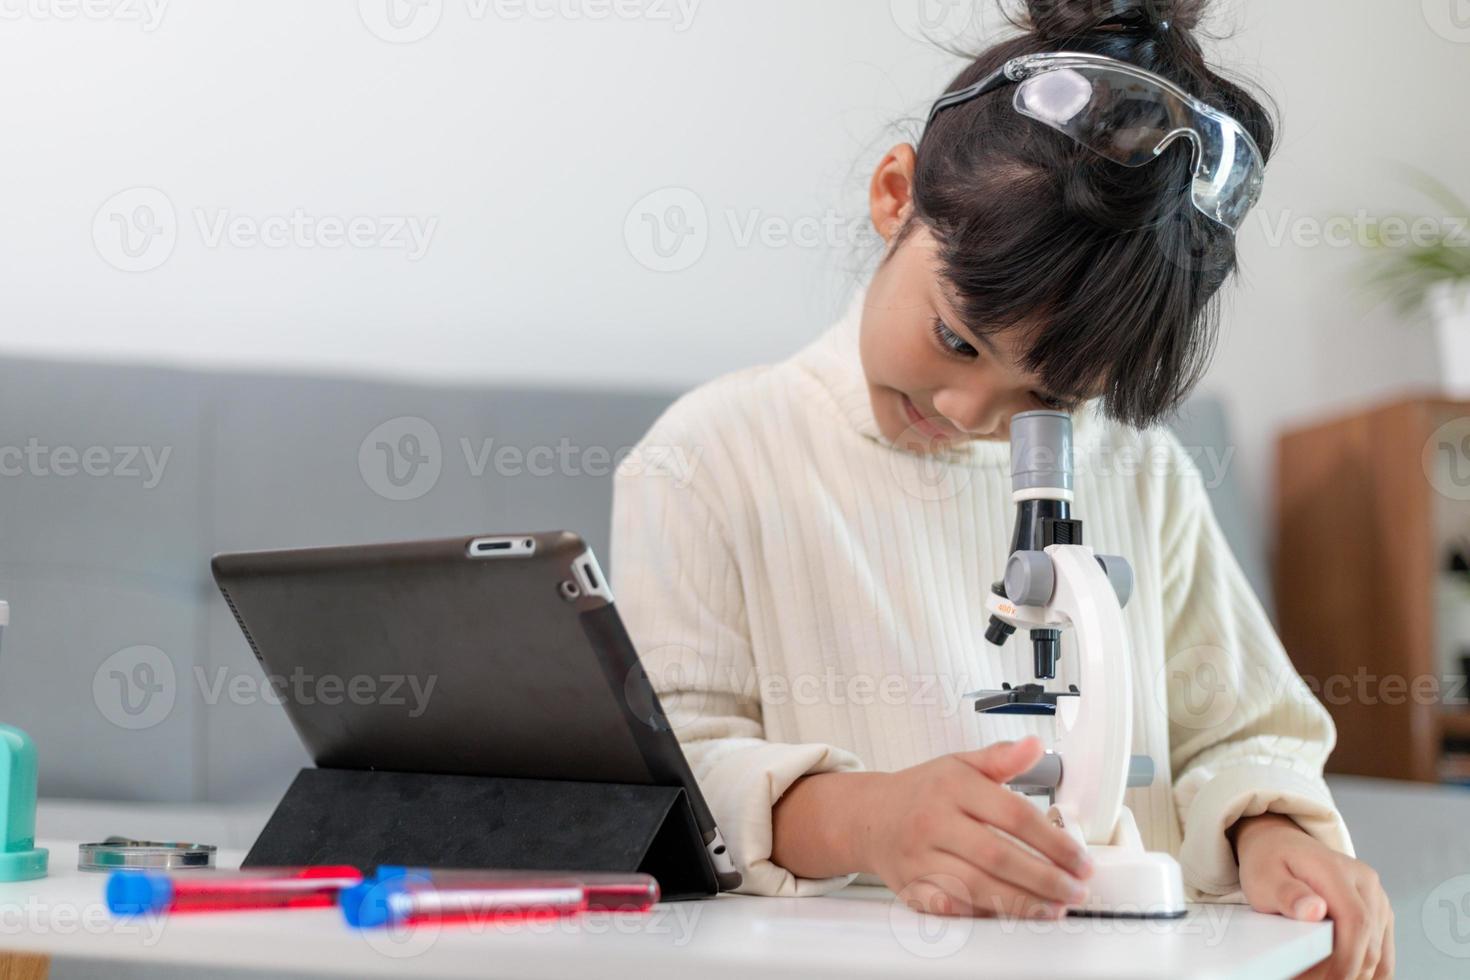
x: 21, y: 859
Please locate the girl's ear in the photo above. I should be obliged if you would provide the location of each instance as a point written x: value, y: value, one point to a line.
x: 890, y: 194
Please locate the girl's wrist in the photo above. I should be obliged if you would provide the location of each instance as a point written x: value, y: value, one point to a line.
x: 1247, y: 828
x: 823, y: 825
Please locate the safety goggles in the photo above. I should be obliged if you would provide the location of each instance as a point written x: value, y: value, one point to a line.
x: 1129, y: 116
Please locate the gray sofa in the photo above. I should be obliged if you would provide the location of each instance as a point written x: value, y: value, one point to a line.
x: 118, y: 482
x: 104, y: 556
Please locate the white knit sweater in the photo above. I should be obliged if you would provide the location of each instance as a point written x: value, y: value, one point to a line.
x: 806, y: 597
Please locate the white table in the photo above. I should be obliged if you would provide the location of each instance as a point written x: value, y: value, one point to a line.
x: 858, y: 932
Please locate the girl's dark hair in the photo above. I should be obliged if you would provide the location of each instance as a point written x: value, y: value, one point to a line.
x: 1109, y: 272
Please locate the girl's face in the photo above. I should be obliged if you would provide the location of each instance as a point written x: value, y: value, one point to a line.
x: 933, y: 381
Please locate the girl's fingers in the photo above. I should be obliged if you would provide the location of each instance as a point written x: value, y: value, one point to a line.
x: 1010, y: 811
x: 1386, y: 961
x: 1003, y: 761
x: 1295, y: 899
x: 1350, y: 919
x: 1380, y: 913
x: 1001, y: 858
x: 925, y: 896
x: 985, y: 895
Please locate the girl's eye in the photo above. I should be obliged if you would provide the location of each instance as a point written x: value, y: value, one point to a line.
x: 952, y: 342
x: 1051, y: 403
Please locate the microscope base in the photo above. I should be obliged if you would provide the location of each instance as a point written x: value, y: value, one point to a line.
x: 1129, y: 883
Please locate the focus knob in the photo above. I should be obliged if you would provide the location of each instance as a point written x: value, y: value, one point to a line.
x: 1030, y: 578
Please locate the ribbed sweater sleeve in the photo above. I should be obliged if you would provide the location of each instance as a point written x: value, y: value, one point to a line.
x: 679, y: 592
x: 1246, y: 735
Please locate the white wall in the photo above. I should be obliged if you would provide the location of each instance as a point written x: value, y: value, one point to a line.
x: 522, y: 138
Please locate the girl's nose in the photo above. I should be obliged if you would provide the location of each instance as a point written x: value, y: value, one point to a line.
x: 974, y: 413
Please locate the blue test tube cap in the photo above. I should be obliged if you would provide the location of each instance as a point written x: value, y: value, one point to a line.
x: 367, y: 905
x: 138, y: 892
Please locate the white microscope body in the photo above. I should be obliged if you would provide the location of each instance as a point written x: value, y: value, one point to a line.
x: 1065, y: 586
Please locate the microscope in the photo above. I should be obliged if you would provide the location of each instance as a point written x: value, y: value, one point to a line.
x: 1053, y: 582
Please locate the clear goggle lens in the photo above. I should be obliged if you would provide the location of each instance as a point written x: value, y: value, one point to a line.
x: 1131, y: 120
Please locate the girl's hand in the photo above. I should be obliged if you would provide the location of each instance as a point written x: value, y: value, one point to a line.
x: 932, y: 833
x: 1284, y: 869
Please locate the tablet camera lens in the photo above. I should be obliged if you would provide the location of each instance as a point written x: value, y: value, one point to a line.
x: 570, y: 589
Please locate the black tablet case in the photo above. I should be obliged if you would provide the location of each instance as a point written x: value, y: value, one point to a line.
x: 431, y: 820
x: 618, y: 804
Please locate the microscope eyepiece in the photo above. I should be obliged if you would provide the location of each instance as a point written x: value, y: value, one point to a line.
x: 1041, y: 452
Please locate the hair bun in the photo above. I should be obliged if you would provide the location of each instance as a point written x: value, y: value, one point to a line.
x: 1060, y: 19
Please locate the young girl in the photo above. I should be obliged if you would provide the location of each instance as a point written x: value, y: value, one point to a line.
x: 809, y: 595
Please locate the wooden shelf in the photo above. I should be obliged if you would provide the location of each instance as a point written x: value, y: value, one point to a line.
x: 1360, y: 539
x: 1454, y: 723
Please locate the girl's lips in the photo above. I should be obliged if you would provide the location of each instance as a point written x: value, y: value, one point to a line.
x: 922, y: 424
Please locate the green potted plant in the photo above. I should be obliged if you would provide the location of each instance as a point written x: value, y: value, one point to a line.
x: 1424, y: 265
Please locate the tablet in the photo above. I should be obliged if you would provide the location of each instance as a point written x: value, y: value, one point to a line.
x: 492, y: 655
